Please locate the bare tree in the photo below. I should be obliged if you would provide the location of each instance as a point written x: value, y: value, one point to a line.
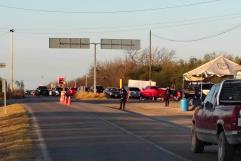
x: 158, y: 56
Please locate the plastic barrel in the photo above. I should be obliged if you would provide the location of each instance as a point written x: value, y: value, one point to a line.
x: 184, y: 104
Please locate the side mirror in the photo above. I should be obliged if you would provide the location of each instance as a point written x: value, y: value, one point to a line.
x: 201, y: 106
x: 208, y: 105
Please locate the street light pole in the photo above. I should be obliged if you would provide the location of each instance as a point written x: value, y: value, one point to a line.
x: 150, y: 62
x: 95, y: 44
x: 11, y: 62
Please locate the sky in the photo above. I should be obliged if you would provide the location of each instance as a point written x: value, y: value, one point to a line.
x: 35, y: 22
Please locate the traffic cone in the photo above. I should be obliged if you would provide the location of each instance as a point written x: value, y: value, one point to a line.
x: 64, y: 100
x: 69, y: 101
x: 61, y: 99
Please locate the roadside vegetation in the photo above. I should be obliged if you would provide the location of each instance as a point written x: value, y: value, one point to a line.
x: 15, y: 134
x: 167, y: 70
x: 89, y: 96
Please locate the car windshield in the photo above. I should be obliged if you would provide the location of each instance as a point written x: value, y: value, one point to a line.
x: 134, y: 89
x: 153, y: 87
x: 114, y: 90
x: 43, y: 88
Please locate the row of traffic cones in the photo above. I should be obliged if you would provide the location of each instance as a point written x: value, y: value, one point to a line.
x: 66, y: 100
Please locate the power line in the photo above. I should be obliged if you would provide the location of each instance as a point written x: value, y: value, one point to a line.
x: 163, y: 24
x: 110, y: 12
x: 140, y: 28
x: 201, y: 38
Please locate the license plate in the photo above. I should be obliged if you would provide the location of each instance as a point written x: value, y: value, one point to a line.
x: 239, y: 122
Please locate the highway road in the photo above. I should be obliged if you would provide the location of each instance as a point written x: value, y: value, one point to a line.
x: 92, y: 132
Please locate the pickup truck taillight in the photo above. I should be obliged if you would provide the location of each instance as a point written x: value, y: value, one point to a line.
x: 235, y: 115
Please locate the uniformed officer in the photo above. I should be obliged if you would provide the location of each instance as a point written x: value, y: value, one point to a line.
x: 124, y: 96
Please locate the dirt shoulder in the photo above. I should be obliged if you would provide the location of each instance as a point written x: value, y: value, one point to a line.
x: 158, y: 111
x: 15, y: 134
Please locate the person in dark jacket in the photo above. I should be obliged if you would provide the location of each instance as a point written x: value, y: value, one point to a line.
x: 124, y: 96
x: 167, y: 96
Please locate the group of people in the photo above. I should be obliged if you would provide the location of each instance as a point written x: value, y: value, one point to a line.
x: 124, y: 97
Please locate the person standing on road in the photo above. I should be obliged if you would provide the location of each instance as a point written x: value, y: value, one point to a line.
x: 167, y: 96
x: 124, y: 96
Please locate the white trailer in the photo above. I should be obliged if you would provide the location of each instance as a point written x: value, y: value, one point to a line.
x: 140, y: 83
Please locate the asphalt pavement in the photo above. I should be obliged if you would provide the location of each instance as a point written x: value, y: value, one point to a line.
x: 89, y: 131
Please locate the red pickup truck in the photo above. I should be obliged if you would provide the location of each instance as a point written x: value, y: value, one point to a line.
x: 218, y: 120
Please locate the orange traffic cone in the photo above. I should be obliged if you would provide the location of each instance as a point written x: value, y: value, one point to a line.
x: 69, y: 101
x: 64, y: 100
x: 61, y: 99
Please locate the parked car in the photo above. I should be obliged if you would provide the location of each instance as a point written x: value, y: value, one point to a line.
x: 150, y: 92
x: 112, y: 92
x: 56, y: 91
x: 71, y: 91
x: 99, y: 89
x: 27, y: 92
x: 42, y: 91
x: 133, y: 92
x: 218, y: 120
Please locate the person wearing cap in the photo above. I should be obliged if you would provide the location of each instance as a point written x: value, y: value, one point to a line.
x: 167, y: 96
x: 124, y: 96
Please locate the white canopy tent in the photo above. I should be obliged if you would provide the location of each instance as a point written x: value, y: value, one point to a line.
x: 219, y: 66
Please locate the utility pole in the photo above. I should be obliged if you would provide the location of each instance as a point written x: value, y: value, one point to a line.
x: 11, y: 60
x: 95, y: 44
x: 86, y: 80
x: 150, y: 62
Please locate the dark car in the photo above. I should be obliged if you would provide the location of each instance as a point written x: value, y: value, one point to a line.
x: 218, y: 120
x: 56, y: 91
x: 112, y: 92
x: 42, y: 91
x: 133, y: 92
x: 99, y: 89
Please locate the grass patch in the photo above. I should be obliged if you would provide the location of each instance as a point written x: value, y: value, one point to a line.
x: 90, y: 96
x: 15, y: 134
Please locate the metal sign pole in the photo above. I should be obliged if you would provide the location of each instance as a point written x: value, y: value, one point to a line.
x: 5, y: 100
x: 11, y: 66
x: 84, y: 43
x: 95, y: 44
x: 150, y: 60
x: 4, y: 90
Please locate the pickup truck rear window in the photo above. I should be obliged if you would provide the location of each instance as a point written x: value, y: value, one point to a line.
x: 231, y: 92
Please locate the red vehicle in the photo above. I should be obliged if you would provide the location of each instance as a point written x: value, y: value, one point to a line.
x: 218, y: 120
x: 71, y: 91
x: 150, y: 92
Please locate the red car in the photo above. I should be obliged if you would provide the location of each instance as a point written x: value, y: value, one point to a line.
x: 71, y: 91
x: 150, y: 92
x: 218, y: 120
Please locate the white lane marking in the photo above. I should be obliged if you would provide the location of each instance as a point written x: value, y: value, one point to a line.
x: 139, y: 137
x: 43, y: 147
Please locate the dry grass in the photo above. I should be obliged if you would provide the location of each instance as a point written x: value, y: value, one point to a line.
x: 175, y: 104
x: 90, y: 96
x: 15, y: 134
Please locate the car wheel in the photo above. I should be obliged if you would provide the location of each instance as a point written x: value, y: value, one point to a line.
x: 225, y: 150
x: 197, y: 146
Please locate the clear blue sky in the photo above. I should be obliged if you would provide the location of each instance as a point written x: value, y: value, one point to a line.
x: 35, y: 62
